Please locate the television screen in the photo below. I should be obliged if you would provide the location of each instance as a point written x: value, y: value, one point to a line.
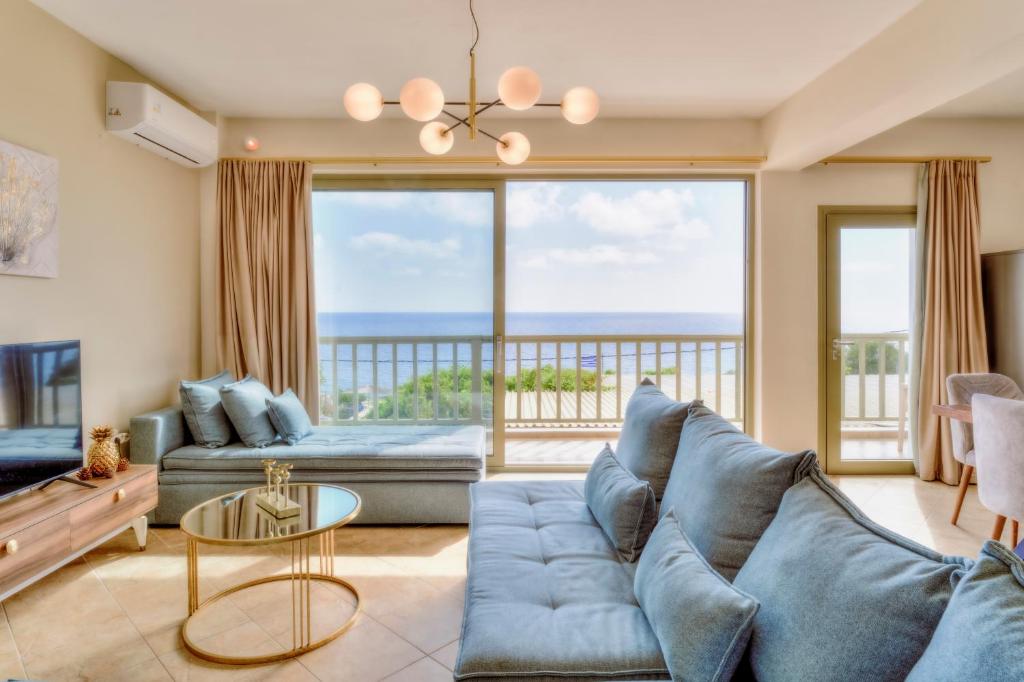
x: 40, y: 413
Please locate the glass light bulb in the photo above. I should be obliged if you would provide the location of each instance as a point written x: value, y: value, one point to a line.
x: 363, y: 102
x: 519, y: 88
x: 580, y: 105
x: 513, y: 148
x: 421, y: 99
x: 251, y: 144
x: 435, y: 138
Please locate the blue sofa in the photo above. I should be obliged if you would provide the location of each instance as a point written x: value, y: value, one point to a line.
x: 404, y: 473
x: 549, y: 599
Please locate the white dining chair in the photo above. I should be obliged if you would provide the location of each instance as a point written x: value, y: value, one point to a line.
x: 999, y: 456
x: 960, y: 388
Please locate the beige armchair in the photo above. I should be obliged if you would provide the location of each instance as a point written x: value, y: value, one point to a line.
x: 960, y: 388
x: 999, y: 455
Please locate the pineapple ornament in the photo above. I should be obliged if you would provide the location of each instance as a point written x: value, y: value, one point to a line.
x: 104, y: 455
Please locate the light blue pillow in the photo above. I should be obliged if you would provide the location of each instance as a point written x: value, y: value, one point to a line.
x: 726, y: 487
x: 981, y: 634
x: 842, y: 598
x: 623, y: 505
x: 245, y: 402
x: 289, y: 417
x: 204, y: 413
x: 650, y: 435
x: 702, y: 622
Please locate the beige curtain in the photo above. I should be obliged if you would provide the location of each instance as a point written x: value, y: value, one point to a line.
x: 266, y: 312
x: 953, y: 335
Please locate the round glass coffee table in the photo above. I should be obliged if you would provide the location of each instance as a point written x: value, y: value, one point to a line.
x: 240, y: 519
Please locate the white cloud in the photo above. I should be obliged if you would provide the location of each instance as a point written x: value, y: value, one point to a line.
x: 389, y: 242
x: 599, y: 254
x: 528, y: 203
x: 371, y: 199
x: 641, y: 214
x: 468, y: 208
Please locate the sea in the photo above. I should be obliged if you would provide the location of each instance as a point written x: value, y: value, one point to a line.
x: 468, y: 325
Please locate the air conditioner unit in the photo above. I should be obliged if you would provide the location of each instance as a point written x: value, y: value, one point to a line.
x: 150, y: 119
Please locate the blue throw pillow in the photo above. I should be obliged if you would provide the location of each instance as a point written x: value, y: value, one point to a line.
x: 204, y: 413
x: 650, y: 435
x: 289, y: 417
x: 842, y: 598
x: 702, y: 622
x: 623, y: 505
x: 981, y: 634
x: 245, y: 402
x: 726, y: 487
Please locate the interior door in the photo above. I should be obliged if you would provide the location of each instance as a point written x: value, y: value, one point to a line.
x: 868, y: 267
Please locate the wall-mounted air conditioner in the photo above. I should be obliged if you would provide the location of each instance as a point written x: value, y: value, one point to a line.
x: 150, y: 119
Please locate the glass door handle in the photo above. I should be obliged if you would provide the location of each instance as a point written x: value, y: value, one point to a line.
x: 499, y: 352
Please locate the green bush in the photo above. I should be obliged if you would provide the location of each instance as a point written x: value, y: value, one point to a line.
x: 871, y: 349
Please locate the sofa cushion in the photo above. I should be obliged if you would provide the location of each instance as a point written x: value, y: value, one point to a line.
x: 842, y: 598
x: 702, y: 621
x: 623, y: 505
x: 726, y: 487
x: 548, y: 597
x: 365, y: 449
x: 245, y: 402
x: 650, y: 435
x: 288, y: 415
x: 981, y: 633
x: 204, y: 413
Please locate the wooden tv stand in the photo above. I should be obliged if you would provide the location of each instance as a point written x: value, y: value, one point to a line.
x: 42, y: 530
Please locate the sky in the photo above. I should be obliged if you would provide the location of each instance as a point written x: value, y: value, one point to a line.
x: 572, y: 246
x: 875, y: 267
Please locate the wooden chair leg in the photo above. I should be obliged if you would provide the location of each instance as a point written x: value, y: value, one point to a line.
x: 965, y: 481
x: 997, y: 530
x: 1013, y: 531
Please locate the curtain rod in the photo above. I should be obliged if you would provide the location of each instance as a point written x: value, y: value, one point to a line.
x: 901, y: 159
x: 491, y: 161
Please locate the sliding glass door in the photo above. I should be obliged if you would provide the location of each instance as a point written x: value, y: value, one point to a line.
x: 431, y: 312
x: 405, y: 290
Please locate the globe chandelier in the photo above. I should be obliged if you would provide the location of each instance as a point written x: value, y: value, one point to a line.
x: 421, y: 99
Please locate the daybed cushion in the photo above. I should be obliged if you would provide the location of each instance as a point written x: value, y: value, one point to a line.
x: 702, y: 621
x: 288, y: 415
x: 245, y: 402
x: 842, y: 598
x: 650, y: 435
x: 981, y: 634
x: 204, y: 413
x: 367, y: 449
x: 548, y: 597
x: 623, y: 505
x: 726, y: 487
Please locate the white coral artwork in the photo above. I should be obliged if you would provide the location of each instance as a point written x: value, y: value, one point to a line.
x: 28, y: 212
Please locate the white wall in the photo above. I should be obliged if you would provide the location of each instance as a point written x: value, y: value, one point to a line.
x: 128, y: 285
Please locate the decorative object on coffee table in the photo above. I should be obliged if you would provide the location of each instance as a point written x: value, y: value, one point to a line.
x: 104, y: 456
x: 275, y: 499
x: 237, y: 520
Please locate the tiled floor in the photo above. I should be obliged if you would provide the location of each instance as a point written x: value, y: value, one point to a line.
x: 114, y: 614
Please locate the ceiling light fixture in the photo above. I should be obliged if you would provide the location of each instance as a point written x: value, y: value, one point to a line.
x: 519, y: 89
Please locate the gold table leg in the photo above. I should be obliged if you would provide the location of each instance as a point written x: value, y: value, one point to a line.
x: 301, y: 577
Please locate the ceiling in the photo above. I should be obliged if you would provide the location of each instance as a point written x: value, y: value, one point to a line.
x: 1000, y: 98
x: 294, y: 58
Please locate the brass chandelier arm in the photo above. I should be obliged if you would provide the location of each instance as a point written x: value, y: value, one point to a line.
x: 465, y: 122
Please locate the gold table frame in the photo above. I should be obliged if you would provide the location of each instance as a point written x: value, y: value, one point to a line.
x: 301, y: 577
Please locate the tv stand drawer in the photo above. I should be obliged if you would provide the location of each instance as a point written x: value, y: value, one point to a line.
x: 112, y: 509
x: 34, y: 548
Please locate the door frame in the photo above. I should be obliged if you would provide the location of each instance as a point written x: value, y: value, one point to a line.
x: 828, y: 231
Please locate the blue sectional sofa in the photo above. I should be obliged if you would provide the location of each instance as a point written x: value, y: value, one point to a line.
x: 404, y: 474
x: 837, y: 597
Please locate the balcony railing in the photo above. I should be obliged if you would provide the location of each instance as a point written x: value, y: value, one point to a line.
x: 875, y: 378
x: 550, y: 381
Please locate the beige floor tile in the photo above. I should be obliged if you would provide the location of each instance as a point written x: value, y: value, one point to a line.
x: 246, y: 639
x: 367, y: 652
x: 424, y: 670
x: 10, y: 660
x: 447, y: 654
x: 431, y: 621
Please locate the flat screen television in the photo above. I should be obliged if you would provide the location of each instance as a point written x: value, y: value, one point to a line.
x: 40, y: 413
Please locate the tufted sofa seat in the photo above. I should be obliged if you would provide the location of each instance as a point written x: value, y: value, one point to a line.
x: 548, y: 598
